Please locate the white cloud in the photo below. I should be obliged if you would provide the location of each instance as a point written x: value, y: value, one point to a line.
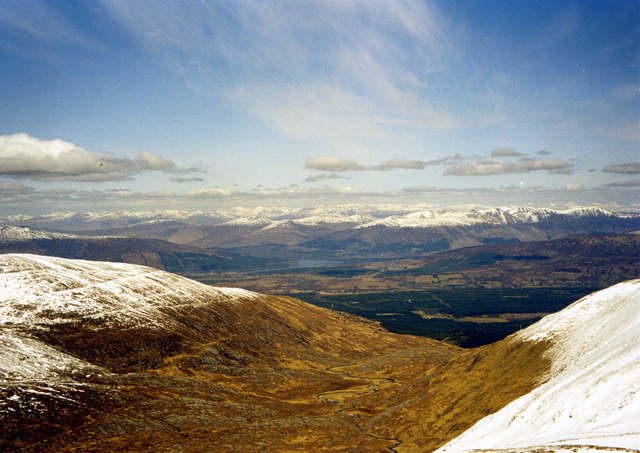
x: 29, y: 157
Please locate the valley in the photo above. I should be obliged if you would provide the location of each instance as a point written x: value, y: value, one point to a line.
x: 111, y: 356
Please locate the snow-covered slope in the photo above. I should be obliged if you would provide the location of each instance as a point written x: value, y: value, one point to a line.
x: 10, y: 233
x: 106, y: 294
x: 42, y: 295
x: 591, y: 396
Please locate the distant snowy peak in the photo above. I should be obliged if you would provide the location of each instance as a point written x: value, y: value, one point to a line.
x: 443, y: 217
x: 11, y: 234
x: 496, y: 216
x: 37, y: 291
x: 591, y: 395
x: 251, y: 220
x: 329, y: 218
x: 337, y: 218
x: 536, y: 215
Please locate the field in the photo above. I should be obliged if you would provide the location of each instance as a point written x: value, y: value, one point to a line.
x: 468, y: 317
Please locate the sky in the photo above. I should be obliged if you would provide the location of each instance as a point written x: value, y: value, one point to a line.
x: 202, y: 105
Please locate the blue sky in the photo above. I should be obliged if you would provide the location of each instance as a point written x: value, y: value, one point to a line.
x: 200, y: 105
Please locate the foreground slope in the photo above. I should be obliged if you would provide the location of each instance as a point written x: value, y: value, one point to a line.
x: 114, y: 356
x: 572, y: 379
x: 591, y: 394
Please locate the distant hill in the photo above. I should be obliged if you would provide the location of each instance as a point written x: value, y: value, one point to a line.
x: 151, y: 252
x: 589, y: 260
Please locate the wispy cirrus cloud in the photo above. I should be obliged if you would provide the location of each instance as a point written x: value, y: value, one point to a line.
x: 39, y: 20
x: 23, y: 156
x: 316, y: 69
x: 628, y: 168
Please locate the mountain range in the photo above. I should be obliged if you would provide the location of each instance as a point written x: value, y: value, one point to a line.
x: 113, y: 356
x: 347, y: 232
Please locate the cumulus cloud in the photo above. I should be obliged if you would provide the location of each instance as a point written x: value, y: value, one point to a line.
x: 629, y: 168
x: 498, y: 167
x: 505, y: 152
x: 542, y: 152
x: 29, y: 157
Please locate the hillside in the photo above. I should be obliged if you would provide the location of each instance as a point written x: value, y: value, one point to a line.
x: 590, y: 396
x: 115, y: 356
x: 573, y: 378
x: 588, y: 260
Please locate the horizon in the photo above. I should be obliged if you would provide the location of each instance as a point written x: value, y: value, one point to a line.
x: 138, y: 106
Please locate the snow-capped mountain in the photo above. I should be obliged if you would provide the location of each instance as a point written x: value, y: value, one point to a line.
x: 537, y: 215
x: 389, y: 231
x: 496, y: 216
x: 444, y: 217
x: 591, y: 393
